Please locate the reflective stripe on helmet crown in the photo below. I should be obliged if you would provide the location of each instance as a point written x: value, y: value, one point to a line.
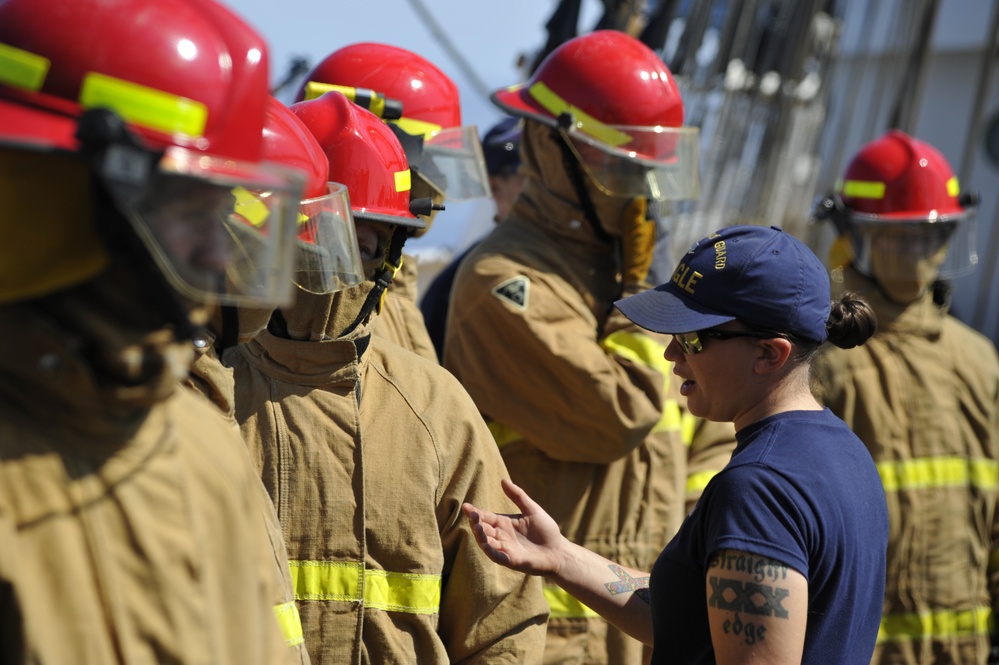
x: 417, y: 127
x: 403, y: 181
x: 584, y: 122
x: 21, y: 69
x: 148, y: 107
x: 860, y: 189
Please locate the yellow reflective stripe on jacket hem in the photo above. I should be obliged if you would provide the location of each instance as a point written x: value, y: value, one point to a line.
x: 930, y: 472
x: 384, y: 590
x: 644, y: 350
x: 564, y: 606
x: 290, y: 622
x: 941, y: 624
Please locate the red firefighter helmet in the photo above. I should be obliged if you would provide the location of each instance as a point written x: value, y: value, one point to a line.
x: 363, y: 154
x: 902, y: 202
x: 620, y: 107
x: 326, y: 256
x: 449, y: 156
x: 164, y: 100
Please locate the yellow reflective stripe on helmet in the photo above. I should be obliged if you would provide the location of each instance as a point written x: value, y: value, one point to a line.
x: 932, y: 472
x: 144, y: 106
x: 502, y: 434
x: 696, y: 482
x: 863, y: 189
x: 250, y: 207
x: 643, y: 350
x: 343, y: 581
x: 290, y: 622
x: 564, y: 606
x: 363, y: 97
x: 21, y: 69
x: 584, y: 122
x: 403, y: 181
x: 953, y: 188
x: 939, y: 624
x: 417, y: 127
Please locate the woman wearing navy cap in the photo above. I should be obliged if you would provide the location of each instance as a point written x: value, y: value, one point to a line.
x: 783, y: 558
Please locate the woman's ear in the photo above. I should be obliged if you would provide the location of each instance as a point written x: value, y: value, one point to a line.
x: 773, y: 354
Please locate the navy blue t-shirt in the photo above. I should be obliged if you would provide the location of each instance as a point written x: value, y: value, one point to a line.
x: 802, y: 489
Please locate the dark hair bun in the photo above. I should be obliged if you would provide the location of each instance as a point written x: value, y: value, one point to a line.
x: 851, y: 321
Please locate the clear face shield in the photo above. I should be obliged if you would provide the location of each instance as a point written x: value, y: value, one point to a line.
x: 914, y: 250
x: 451, y: 159
x: 326, y: 253
x: 661, y: 163
x: 220, y: 231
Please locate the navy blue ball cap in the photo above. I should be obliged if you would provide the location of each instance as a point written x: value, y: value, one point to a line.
x: 762, y: 276
x: 501, y: 146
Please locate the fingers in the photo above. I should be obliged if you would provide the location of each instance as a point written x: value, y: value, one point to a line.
x: 520, y: 498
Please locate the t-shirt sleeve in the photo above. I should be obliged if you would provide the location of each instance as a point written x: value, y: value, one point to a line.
x: 754, y: 509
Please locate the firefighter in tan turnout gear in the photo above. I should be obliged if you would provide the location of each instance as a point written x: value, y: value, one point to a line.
x: 368, y: 450
x: 325, y: 260
x: 582, y: 402
x: 422, y: 107
x: 922, y: 394
x: 130, y: 526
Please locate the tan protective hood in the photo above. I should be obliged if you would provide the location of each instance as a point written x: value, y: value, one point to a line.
x: 88, y: 359
x: 545, y: 169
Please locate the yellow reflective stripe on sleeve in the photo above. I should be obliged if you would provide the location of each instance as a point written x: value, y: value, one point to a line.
x: 502, y: 434
x: 929, y: 625
x: 144, y: 106
x: 21, y: 69
x: 931, y: 472
x: 688, y: 426
x: 343, y: 581
x: 861, y: 189
x: 638, y: 348
x: 564, y: 606
x: 403, y: 181
x: 671, y: 420
x: 993, y: 561
x: 643, y: 350
x: 585, y: 123
x: 417, y: 127
x: 290, y: 622
x: 696, y: 482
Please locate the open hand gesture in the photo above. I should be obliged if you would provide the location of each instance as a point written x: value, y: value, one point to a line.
x: 530, y: 542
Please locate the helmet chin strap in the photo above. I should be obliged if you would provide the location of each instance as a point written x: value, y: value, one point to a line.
x: 122, y: 170
x: 575, y: 171
x: 382, y: 278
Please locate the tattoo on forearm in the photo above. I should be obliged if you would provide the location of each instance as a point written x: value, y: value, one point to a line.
x: 640, y: 585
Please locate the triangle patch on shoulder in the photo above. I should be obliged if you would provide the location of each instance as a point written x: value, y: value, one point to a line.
x: 514, y: 291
